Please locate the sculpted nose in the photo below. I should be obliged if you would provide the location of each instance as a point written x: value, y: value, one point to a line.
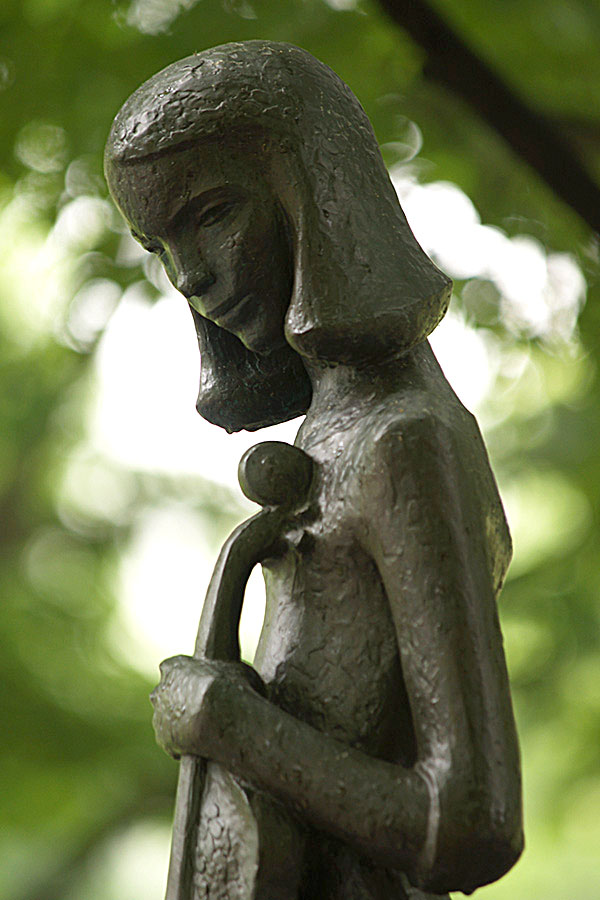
x: 192, y: 276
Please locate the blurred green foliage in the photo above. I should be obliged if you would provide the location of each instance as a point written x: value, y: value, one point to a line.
x: 79, y: 767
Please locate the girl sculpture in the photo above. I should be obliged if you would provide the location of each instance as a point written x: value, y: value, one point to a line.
x: 378, y: 746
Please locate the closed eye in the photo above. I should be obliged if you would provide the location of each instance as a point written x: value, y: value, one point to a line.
x: 216, y: 213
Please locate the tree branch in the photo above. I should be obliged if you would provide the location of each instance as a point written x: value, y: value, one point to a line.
x: 530, y: 134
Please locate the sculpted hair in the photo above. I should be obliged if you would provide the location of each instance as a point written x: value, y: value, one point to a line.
x: 363, y: 288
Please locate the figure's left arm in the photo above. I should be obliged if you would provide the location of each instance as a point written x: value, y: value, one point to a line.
x: 452, y: 821
x: 441, y: 550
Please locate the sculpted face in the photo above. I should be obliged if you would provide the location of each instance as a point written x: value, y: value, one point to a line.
x: 213, y: 220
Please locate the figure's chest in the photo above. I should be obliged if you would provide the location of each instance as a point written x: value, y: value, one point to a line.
x: 328, y: 648
x: 317, y: 589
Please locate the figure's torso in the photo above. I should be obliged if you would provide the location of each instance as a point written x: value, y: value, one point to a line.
x: 328, y: 651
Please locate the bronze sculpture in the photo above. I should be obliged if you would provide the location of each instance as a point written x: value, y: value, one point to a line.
x: 372, y: 752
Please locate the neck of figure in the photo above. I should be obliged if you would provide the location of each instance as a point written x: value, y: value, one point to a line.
x: 343, y: 393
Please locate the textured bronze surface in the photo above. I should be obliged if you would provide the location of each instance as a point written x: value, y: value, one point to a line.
x: 371, y: 751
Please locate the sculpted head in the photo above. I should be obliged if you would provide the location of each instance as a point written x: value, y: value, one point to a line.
x: 212, y: 218
x: 252, y: 171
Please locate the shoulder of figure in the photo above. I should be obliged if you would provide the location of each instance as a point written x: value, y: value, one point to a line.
x: 402, y: 431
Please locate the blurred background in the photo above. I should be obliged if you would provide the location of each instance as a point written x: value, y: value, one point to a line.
x: 115, y: 496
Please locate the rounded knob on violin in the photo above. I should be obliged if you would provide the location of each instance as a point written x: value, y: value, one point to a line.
x: 276, y: 474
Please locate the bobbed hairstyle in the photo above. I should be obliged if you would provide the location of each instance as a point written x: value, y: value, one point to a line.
x: 363, y: 288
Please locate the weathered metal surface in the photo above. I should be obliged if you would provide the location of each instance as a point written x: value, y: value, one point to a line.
x: 371, y: 753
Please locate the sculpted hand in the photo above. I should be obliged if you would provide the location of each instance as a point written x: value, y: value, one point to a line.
x: 190, y: 702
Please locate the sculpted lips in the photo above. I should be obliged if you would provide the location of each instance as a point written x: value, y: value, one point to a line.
x: 221, y: 309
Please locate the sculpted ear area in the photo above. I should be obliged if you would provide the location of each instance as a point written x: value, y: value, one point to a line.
x: 363, y: 287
